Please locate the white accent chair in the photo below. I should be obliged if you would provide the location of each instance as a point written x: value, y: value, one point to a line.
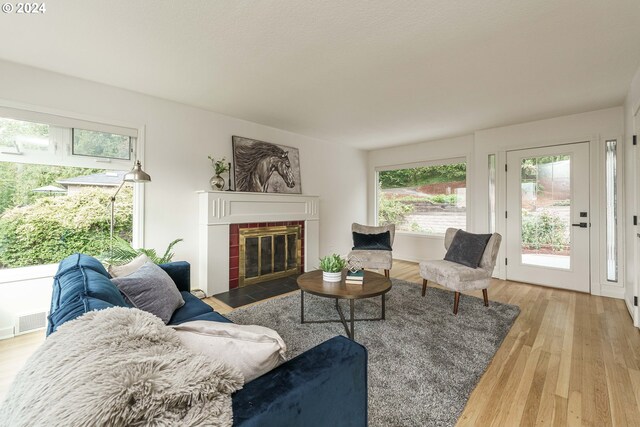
x: 378, y: 259
x: 458, y: 277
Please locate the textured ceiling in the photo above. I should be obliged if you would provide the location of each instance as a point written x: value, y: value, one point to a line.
x: 364, y: 73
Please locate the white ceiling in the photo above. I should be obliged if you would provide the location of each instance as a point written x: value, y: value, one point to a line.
x: 364, y: 73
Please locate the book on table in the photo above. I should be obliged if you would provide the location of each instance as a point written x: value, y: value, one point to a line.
x: 355, y: 278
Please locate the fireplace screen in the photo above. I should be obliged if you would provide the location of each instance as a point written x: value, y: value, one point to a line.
x: 268, y: 253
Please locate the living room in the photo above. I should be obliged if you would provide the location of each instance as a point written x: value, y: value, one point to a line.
x: 359, y: 89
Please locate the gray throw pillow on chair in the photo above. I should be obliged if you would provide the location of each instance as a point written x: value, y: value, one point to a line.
x: 151, y: 289
x: 467, y: 248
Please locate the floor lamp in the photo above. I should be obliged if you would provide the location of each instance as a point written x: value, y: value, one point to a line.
x: 134, y: 175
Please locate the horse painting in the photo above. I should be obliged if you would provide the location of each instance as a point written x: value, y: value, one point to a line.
x: 264, y: 167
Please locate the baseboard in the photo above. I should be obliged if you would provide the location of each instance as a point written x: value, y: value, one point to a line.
x: 612, y: 291
x: 6, y: 333
x: 403, y: 258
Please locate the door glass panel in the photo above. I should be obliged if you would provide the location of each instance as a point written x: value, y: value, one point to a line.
x: 492, y: 193
x: 611, y: 185
x: 546, y: 211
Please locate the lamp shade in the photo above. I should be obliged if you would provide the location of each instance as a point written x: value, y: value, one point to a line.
x: 137, y: 174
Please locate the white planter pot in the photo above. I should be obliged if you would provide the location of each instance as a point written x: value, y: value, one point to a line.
x: 331, y: 277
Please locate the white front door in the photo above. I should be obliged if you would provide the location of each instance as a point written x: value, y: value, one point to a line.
x: 548, y: 216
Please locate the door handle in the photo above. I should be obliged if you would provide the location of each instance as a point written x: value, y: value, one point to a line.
x: 581, y: 225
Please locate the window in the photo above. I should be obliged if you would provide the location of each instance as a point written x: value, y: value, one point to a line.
x: 56, y: 183
x: 426, y: 199
x: 18, y: 137
x: 101, y: 144
x: 492, y: 193
x: 611, y: 187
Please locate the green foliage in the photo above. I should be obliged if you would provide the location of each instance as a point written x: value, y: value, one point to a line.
x: 55, y: 227
x: 18, y: 180
x: 332, y: 263
x: 220, y: 166
x: 415, y: 177
x: 393, y: 211
x: 448, y: 199
x: 123, y: 252
x: 21, y: 136
x: 544, y: 229
x: 101, y: 144
x: 417, y: 228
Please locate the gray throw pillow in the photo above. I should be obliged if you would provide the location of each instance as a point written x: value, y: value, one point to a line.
x: 467, y: 248
x: 151, y: 289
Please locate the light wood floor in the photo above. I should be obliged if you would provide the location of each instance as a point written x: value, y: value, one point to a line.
x: 569, y: 359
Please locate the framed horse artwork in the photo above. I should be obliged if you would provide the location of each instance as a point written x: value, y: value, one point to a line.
x: 263, y: 167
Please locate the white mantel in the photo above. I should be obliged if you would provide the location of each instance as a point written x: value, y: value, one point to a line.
x: 219, y: 209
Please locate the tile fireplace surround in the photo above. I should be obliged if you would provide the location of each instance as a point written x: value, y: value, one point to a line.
x: 220, y: 209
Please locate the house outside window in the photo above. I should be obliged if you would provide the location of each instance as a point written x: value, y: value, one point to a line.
x: 423, y: 199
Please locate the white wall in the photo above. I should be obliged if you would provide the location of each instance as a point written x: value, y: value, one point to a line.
x: 178, y: 139
x: 414, y: 247
x: 593, y: 126
x: 631, y: 107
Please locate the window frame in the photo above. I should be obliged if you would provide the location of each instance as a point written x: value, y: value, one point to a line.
x: 61, y: 136
x: 423, y: 163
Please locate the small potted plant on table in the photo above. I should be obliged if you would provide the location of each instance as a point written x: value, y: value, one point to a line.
x: 332, y: 266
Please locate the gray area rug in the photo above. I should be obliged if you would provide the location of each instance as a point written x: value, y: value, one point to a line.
x: 424, y: 362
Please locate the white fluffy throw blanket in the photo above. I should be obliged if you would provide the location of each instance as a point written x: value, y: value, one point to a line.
x: 117, y: 367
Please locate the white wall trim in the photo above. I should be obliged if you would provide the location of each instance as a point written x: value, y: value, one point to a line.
x: 6, y: 333
x: 612, y: 291
x: 69, y: 114
x: 636, y: 109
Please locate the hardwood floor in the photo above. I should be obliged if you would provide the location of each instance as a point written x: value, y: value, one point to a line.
x: 14, y: 353
x: 569, y: 359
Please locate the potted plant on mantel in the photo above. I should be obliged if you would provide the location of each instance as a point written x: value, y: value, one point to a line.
x: 219, y: 166
x: 332, y: 266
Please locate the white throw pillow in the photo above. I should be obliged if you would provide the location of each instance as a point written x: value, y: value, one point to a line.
x: 254, y: 350
x: 131, y: 267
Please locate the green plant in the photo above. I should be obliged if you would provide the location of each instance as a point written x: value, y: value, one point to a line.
x: 123, y: 252
x: 333, y: 263
x: 52, y: 228
x: 544, y: 229
x: 449, y: 199
x: 391, y: 211
x: 220, y: 166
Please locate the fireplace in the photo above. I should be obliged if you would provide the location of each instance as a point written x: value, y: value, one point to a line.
x: 224, y: 213
x: 259, y: 252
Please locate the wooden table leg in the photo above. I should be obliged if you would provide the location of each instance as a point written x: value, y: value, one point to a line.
x: 301, y: 306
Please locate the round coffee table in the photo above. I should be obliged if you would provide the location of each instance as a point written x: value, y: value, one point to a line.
x: 374, y: 285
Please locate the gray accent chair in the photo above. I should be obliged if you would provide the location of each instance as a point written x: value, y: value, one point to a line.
x: 458, y: 277
x: 374, y: 259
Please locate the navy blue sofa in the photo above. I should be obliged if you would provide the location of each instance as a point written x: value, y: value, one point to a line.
x: 324, y: 386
